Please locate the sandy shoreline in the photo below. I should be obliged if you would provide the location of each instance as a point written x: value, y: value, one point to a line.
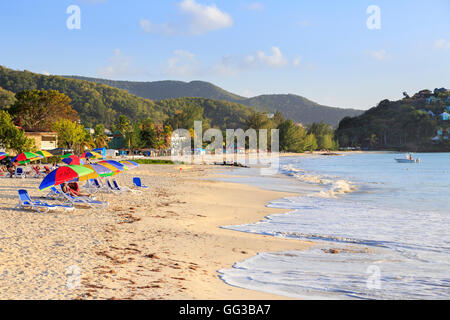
x: 163, y: 244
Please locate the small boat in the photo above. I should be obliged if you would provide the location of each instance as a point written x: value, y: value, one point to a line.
x: 408, y: 159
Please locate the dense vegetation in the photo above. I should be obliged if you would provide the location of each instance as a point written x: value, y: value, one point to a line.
x: 6, y: 98
x: 406, y: 124
x: 99, y: 103
x: 52, y: 103
x: 95, y: 103
x: 161, y: 90
x: 293, y: 107
x: 300, y: 109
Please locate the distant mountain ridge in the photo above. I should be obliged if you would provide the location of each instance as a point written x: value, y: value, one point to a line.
x: 292, y: 106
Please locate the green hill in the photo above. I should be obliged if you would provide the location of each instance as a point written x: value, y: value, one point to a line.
x: 6, y: 98
x: 100, y: 103
x: 408, y: 124
x: 160, y: 90
x: 292, y: 106
x: 300, y: 109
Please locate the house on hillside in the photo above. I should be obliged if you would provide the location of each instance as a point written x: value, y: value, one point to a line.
x: 445, y: 116
x: 43, y: 140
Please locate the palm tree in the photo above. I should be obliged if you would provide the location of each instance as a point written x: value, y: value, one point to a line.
x: 100, y: 138
x: 123, y: 125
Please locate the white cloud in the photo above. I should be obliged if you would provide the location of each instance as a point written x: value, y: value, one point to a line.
x: 196, y: 19
x: 204, y: 18
x: 442, y: 44
x: 119, y: 66
x: 230, y: 65
x: 275, y: 60
x: 379, y: 55
x: 254, y: 6
x: 182, y: 63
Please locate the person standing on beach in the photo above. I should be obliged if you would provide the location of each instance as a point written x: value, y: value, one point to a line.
x: 10, y: 168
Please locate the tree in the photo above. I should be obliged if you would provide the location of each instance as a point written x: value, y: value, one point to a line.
x: 70, y: 133
x: 148, y: 134
x: 125, y: 128
x: 38, y: 110
x: 184, y: 118
x: 11, y: 137
x: 310, y: 143
x: 99, y: 137
x: 7, y: 98
x: 291, y: 137
x: 324, y: 134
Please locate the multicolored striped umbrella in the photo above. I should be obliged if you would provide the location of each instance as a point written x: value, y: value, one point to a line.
x: 115, y: 166
x: 66, y: 155
x: 26, y: 157
x: 129, y: 164
x: 100, y: 170
x: 91, y: 154
x: 44, y: 154
x: 65, y: 174
x: 3, y: 155
x: 73, y: 160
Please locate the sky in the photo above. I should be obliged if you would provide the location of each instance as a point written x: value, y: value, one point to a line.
x: 349, y: 54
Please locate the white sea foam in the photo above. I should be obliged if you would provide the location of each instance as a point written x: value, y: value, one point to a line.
x: 332, y: 187
x: 401, y: 227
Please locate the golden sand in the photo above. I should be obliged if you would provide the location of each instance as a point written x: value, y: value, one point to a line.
x: 165, y: 243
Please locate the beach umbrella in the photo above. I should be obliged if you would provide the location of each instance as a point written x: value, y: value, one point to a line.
x: 65, y: 174
x: 91, y: 154
x: 100, y: 170
x: 73, y: 160
x: 44, y: 154
x: 66, y: 155
x: 129, y: 164
x: 3, y: 155
x: 115, y: 166
x: 26, y: 157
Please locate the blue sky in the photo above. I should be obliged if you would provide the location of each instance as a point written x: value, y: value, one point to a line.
x: 322, y: 50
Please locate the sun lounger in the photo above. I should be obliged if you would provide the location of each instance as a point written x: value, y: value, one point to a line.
x: 138, y: 183
x: 38, y: 174
x: 124, y: 189
x: 83, y: 201
x: 25, y: 202
x: 19, y: 173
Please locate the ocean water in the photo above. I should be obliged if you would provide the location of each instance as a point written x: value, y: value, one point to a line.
x: 382, y: 229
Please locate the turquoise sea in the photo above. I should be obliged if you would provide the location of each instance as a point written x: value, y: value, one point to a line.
x: 388, y: 222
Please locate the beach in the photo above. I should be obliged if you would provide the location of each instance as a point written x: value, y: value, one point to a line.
x: 165, y: 243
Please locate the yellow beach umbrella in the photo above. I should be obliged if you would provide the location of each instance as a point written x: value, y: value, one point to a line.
x: 44, y: 153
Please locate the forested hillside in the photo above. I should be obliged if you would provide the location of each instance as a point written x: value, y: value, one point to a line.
x: 99, y: 103
x: 294, y: 107
x: 409, y: 124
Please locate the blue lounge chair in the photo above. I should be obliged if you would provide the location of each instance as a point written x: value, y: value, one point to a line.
x: 19, y: 173
x: 54, y: 193
x: 25, y: 202
x: 92, y: 186
x: 97, y: 186
x: 110, y: 187
x: 124, y: 189
x: 83, y: 201
x: 138, y: 183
